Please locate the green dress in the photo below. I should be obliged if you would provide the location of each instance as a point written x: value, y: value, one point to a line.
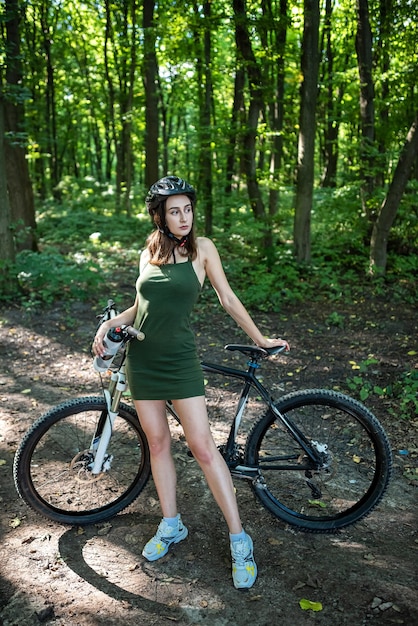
x: 165, y: 366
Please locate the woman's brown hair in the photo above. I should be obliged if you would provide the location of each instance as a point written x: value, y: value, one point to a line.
x: 161, y: 245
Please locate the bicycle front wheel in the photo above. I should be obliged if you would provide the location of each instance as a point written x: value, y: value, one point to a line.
x: 350, y: 475
x: 51, y: 465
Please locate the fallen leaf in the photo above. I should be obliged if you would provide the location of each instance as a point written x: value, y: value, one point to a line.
x: 3, y: 462
x: 298, y: 585
x: 15, y: 522
x: 105, y: 530
x: 308, y: 605
x: 274, y: 542
x: 322, y: 505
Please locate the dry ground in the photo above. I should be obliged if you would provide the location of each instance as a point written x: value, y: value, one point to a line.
x: 67, y: 576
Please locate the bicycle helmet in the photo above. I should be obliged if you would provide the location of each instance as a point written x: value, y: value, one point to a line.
x: 168, y: 186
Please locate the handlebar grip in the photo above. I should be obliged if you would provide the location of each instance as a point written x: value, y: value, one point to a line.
x: 138, y: 334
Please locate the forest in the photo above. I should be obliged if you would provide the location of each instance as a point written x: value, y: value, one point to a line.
x: 296, y: 122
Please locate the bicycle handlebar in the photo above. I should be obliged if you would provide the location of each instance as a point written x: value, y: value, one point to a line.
x: 138, y: 334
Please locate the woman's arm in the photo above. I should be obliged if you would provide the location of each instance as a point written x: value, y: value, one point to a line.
x: 126, y: 318
x: 228, y: 299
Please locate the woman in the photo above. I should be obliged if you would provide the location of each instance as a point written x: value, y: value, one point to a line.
x: 165, y: 365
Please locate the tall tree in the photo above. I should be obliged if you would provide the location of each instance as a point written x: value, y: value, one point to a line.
x: 233, y: 130
x: 255, y: 107
x: 7, y: 248
x: 273, y: 32
x: 150, y: 76
x: 20, y: 193
x: 364, y: 49
x: 307, y: 126
x: 121, y: 60
x: 389, y: 207
x: 205, y: 96
x: 331, y: 92
x: 48, y: 18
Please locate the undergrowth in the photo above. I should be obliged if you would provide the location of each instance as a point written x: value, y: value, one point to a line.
x: 84, y: 245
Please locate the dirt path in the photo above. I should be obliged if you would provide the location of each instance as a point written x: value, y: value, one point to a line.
x: 96, y: 576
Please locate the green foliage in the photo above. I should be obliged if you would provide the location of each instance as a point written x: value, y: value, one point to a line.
x: 335, y: 319
x: 360, y: 383
x: 85, y: 245
x: 50, y: 276
x: 403, y: 390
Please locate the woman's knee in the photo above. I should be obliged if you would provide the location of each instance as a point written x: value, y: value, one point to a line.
x: 159, y: 443
x: 204, y: 451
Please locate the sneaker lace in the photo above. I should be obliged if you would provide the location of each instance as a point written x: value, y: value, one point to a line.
x: 241, y: 552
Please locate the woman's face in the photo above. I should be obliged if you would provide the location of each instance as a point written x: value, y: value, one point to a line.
x: 179, y: 215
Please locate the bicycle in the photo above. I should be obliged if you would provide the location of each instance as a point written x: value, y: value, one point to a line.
x: 316, y: 459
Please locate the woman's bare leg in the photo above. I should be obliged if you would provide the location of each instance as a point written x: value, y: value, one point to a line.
x: 153, y: 418
x: 194, y: 420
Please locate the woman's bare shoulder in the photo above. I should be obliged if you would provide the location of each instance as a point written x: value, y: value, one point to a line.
x: 143, y: 259
x: 205, y: 245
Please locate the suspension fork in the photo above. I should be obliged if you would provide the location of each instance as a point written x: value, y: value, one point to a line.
x: 102, y: 436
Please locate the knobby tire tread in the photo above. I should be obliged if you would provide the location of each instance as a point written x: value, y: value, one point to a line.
x: 343, y: 402
x: 22, y: 460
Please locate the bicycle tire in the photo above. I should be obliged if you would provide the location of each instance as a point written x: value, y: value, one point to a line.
x: 50, y: 475
x: 356, y: 468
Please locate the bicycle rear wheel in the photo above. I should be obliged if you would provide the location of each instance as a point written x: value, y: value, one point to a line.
x: 51, y: 464
x: 354, y: 469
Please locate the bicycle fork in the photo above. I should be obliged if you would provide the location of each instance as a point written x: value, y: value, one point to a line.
x: 102, y: 461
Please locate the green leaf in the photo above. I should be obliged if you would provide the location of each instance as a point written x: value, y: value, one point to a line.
x: 322, y: 505
x: 364, y: 394
x: 308, y: 605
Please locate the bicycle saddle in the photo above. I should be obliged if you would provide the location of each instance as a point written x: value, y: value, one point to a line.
x: 252, y: 351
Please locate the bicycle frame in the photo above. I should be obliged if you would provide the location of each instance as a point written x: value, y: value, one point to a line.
x: 251, y: 381
x: 118, y: 385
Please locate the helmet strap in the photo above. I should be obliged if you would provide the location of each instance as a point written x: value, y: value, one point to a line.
x: 180, y: 242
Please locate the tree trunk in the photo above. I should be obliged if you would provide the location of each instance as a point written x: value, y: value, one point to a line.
x: 205, y: 95
x: 276, y: 101
x: 333, y: 100
x: 50, y: 108
x: 306, y: 140
x: 237, y: 108
x: 365, y: 62
x: 7, y: 249
x: 243, y: 43
x: 150, y: 72
x: 388, y: 210
x: 383, y: 63
x: 19, y: 185
x: 124, y: 54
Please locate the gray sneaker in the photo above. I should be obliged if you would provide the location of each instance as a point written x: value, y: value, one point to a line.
x: 244, y: 569
x: 158, y: 546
